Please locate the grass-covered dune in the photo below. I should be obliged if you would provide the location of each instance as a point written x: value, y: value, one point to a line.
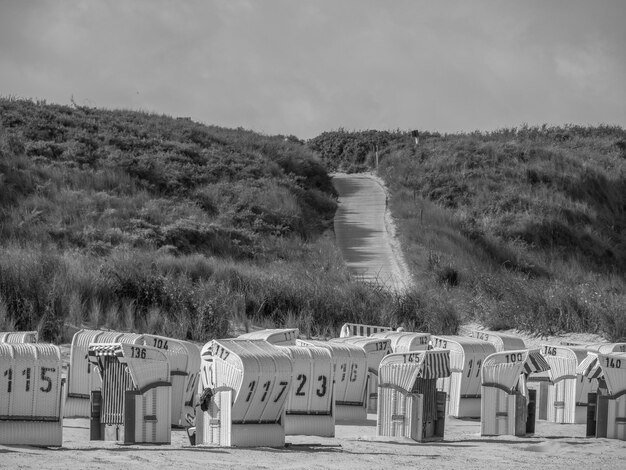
x: 142, y: 222
x: 517, y: 228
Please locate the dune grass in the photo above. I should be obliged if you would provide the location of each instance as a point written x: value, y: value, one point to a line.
x: 140, y: 222
x: 197, y: 297
x: 520, y: 228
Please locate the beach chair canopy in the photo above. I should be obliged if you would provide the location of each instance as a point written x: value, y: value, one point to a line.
x: 465, y: 352
x: 277, y: 336
x: 402, y: 341
x: 610, y: 348
x: 503, y: 369
x: 257, y: 372
x: 610, y: 367
x: 466, y: 360
x: 148, y: 367
x: 580, y: 351
x: 18, y: 337
x: 501, y: 341
x: 357, y: 329
x: 174, y: 350
x: 184, y: 356
x: 563, y: 361
x: 589, y: 367
x: 79, y: 374
x: 402, y: 370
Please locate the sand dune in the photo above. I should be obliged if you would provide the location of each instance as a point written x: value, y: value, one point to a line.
x: 365, y: 233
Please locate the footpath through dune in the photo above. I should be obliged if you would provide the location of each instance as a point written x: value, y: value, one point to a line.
x: 365, y: 231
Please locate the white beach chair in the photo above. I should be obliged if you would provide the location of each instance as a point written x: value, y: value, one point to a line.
x: 505, y: 399
x: 561, y: 392
x: 133, y: 405
x: 409, y: 404
x: 607, y: 414
x: 31, y: 395
x: 244, y: 385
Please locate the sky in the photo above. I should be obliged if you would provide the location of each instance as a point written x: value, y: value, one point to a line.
x: 302, y: 67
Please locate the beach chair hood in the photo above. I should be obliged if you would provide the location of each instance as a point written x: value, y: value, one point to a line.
x: 277, y: 336
x: 503, y: 369
x: 501, y: 341
x: 610, y: 367
x: 147, y: 366
x: 402, y: 370
x: 402, y: 341
x: 563, y: 362
x: 18, y: 337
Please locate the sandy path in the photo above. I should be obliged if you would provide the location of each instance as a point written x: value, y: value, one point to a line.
x: 365, y: 232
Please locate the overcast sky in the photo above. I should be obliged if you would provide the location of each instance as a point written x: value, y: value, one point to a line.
x: 302, y: 66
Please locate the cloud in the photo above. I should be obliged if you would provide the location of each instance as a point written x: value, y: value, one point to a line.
x: 280, y: 66
x: 588, y: 70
